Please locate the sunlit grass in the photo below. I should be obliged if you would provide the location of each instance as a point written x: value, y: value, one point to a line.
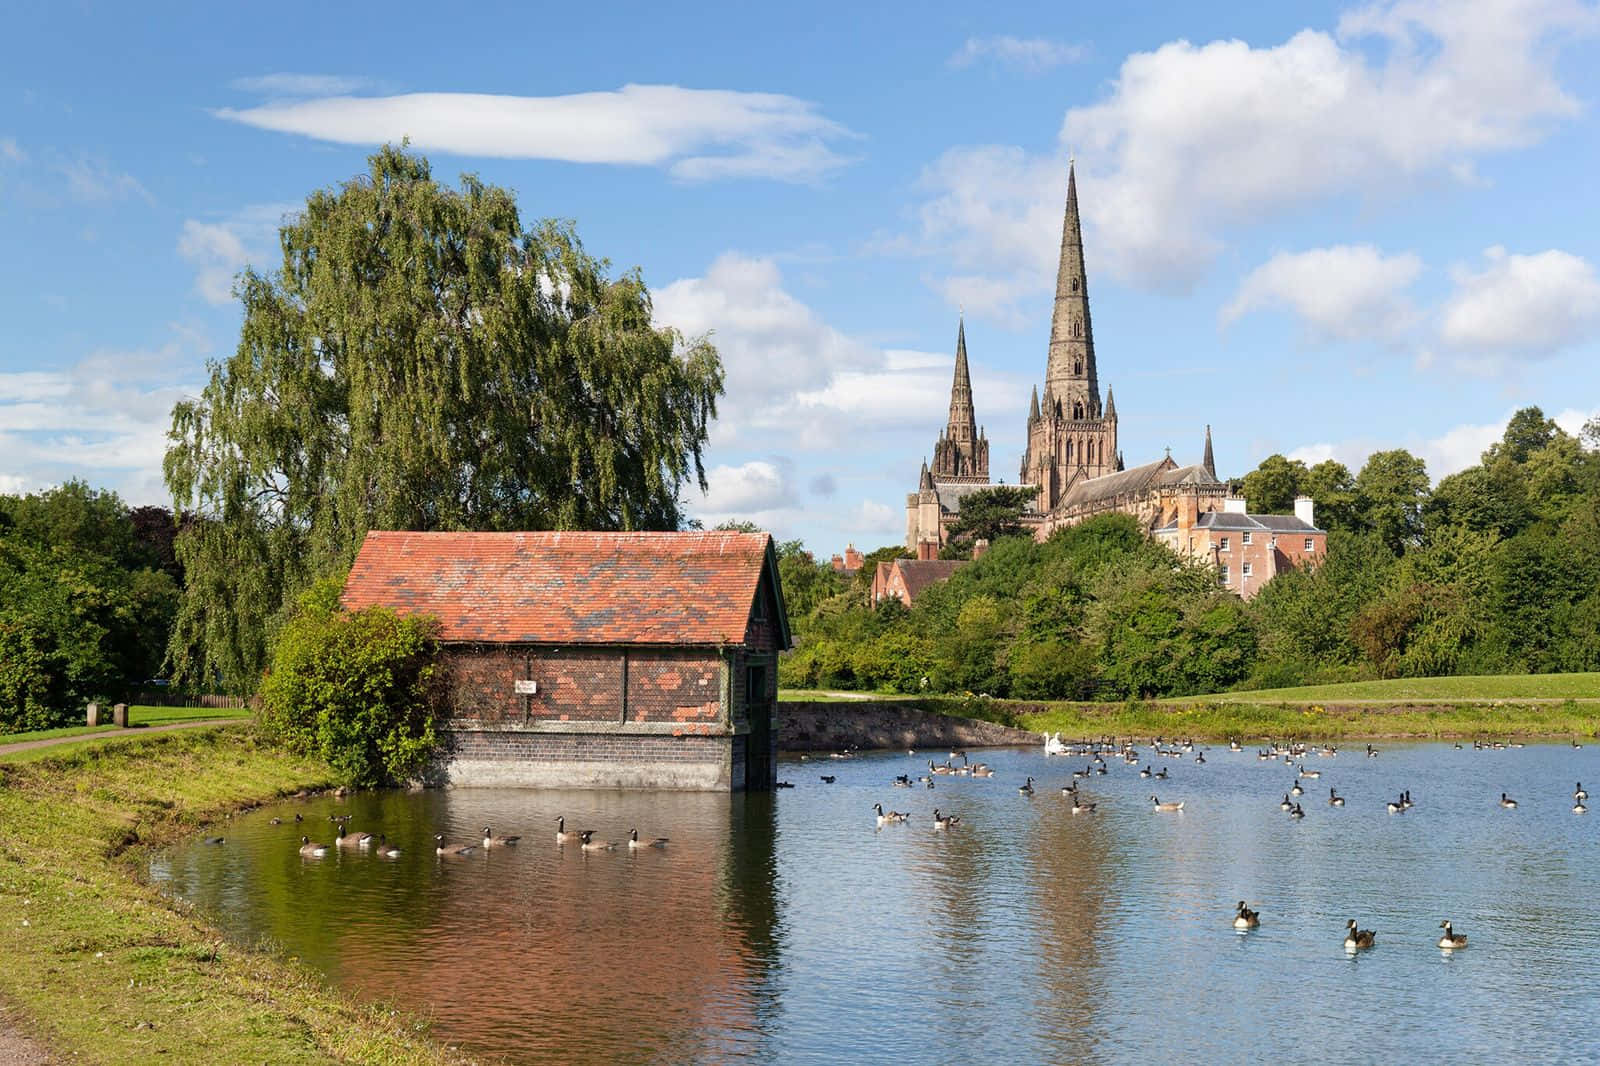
x: 1519, y: 687
x: 114, y: 971
x: 137, y: 715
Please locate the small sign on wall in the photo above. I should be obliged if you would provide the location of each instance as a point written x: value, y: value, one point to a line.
x: 526, y: 688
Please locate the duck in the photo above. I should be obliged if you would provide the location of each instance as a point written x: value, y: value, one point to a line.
x: 1287, y: 804
x: 352, y: 840
x: 450, y: 850
x: 634, y: 843
x: 385, y: 849
x: 213, y: 840
x: 1164, y: 807
x: 308, y: 850
x: 944, y: 821
x: 590, y: 844
x: 562, y: 836
x: 1334, y: 799
x: 1245, y: 918
x: 492, y: 841
x: 1578, y: 792
x: 1507, y: 802
x: 1451, y: 939
x: 1358, y: 938
x: 1026, y: 788
x: 827, y: 779
x: 903, y: 781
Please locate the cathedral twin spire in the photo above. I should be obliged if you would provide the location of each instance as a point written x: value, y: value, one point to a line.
x: 962, y: 452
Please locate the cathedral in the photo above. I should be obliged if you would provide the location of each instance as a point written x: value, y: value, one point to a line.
x: 1073, y: 463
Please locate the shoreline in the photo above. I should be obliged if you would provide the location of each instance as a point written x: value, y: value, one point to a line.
x: 161, y: 982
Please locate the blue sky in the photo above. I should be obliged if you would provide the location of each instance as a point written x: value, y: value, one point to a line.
x: 1321, y: 228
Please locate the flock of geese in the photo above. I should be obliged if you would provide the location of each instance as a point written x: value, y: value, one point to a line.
x: 380, y: 846
x: 1293, y: 755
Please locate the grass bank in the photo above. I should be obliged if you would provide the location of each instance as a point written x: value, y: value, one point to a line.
x: 1518, y: 688
x: 137, y: 716
x: 106, y: 969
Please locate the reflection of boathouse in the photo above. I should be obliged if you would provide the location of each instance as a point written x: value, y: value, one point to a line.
x: 642, y: 660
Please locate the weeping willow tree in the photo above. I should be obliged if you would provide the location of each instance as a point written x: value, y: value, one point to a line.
x: 419, y: 361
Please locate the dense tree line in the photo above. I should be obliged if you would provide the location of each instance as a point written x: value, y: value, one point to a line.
x: 1490, y: 571
x: 88, y: 587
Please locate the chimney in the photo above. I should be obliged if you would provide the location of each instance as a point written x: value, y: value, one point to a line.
x: 1234, y: 505
x: 979, y: 547
x: 1305, y: 509
x: 837, y: 562
x: 852, y: 558
x: 1188, y: 515
x: 927, y: 549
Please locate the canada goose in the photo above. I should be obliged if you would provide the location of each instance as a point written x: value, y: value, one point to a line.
x: 981, y: 770
x: 1200, y: 758
x: 1161, y: 774
x: 634, y: 843
x: 1234, y: 745
x: 492, y: 841
x: 1311, y: 774
x: 308, y: 850
x: 212, y: 840
x: 1159, y: 806
x: 944, y: 822
x: 1372, y: 752
x: 827, y: 779
x: 1358, y: 938
x: 385, y: 849
x: 1578, y: 792
x: 1026, y: 788
x: 298, y: 818
x: 450, y: 850
x: 1579, y: 808
x: 1451, y: 940
x: 1507, y: 802
x: 1334, y: 799
x: 888, y: 817
x: 1287, y: 804
x: 1297, y: 790
x: 352, y: 840
x: 590, y: 844
x: 275, y: 821
x: 1080, y: 807
x: 1145, y: 772
x: 903, y: 781
x: 1069, y: 789
x: 932, y: 769
x: 1396, y: 807
x: 1298, y: 812
x: 1405, y: 800
x: 1245, y: 918
x: 562, y: 836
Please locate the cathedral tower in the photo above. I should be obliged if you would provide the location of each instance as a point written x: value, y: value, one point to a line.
x: 962, y: 451
x: 1070, y: 435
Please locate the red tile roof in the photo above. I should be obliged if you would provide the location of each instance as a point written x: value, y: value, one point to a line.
x: 919, y: 574
x: 567, y: 588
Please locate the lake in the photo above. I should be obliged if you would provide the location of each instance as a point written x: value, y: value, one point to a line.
x: 789, y: 928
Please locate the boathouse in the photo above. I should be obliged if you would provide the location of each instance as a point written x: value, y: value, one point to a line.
x: 595, y: 660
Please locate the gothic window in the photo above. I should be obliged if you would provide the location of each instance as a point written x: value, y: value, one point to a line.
x: 1091, y: 451
x: 1077, y: 366
x: 1069, y: 451
x: 1077, y: 412
x: 1074, y: 284
x: 1077, y: 328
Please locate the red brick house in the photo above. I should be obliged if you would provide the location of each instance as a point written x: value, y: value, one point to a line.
x: 1248, y: 549
x: 905, y: 579
x: 595, y: 660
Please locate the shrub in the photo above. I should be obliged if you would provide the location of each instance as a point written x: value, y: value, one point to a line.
x: 359, y: 689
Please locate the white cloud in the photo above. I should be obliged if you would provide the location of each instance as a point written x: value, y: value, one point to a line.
x: 287, y: 84
x: 756, y: 486
x: 92, y: 181
x: 219, y: 250
x: 1521, y: 305
x: 103, y: 419
x: 11, y: 151
x: 1346, y: 292
x: 697, y: 134
x: 1193, y: 140
x: 1031, y: 55
x: 875, y: 517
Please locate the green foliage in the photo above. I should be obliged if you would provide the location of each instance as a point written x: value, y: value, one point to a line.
x: 359, y: 690
x: 992, y: 513
x: 1271, y: 487
x: 420, y: 361
x: 1389, y: 495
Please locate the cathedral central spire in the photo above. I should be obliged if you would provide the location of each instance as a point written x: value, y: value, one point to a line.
x: 1070, y: 374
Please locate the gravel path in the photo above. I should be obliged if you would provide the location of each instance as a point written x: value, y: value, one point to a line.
x: 16, y: 1049
x: 120, y: 734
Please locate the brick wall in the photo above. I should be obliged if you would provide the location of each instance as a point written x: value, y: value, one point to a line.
x: 528, y: 759
x: 582, y: 684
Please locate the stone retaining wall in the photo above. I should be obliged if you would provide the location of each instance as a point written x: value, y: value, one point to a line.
x: 867, y: 724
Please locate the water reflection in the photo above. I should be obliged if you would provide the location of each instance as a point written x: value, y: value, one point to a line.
x: 787, y: 928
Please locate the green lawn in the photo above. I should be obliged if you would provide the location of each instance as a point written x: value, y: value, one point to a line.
x: 820, y: 695
x: 137, y: 715
x: 1516, y: 687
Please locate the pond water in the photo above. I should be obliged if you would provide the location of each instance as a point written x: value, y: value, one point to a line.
x: 788, y: 928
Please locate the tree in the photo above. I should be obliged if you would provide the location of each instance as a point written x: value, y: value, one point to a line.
x: 1333, y: 490
x: 1272, y: 486
x: 1390, y: 492
x: 991, y: 513
x: 1526, y: 432
x: 419, y: 361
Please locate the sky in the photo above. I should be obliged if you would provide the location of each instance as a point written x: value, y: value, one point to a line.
x: 1321, y: 229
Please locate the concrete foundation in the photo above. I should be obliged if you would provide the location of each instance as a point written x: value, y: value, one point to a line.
x: 481, y: 758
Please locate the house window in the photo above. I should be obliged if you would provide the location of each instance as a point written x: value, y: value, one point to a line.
x: 1223, y: 546
x: 1310, y: 545
x: 1223, y: 575
x: 1244, y: 538
x: 1273, y: 543
x: 755, y: 687
x: 1244, y: 570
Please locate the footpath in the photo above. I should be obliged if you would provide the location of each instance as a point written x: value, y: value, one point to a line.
x: 120, y: 734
